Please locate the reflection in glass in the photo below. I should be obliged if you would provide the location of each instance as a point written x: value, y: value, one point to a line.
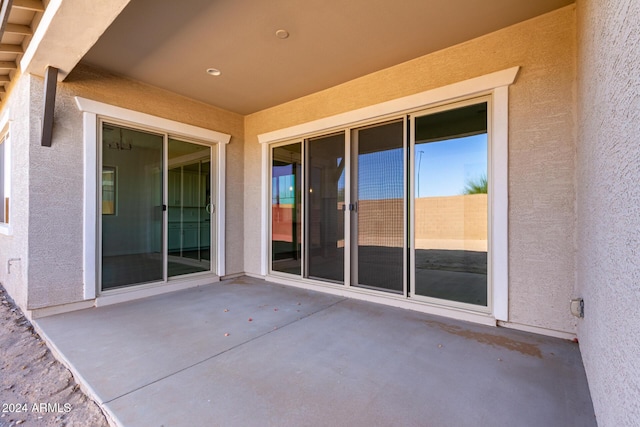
x: 108, y: 190
x: 450, y: 205
x: 189, y: 208
x: 286, y: 179
x: 380, y: 213
x: 325, y: 217
x: 132, y: 236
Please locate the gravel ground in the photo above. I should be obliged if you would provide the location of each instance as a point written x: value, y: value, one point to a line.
x: 36, y: 389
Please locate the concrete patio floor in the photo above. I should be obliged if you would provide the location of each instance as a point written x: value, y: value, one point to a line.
x: 246, y: 352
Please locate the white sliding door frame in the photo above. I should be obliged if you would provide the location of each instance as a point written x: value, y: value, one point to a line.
x: 494, y: 86
x: 93, y: 112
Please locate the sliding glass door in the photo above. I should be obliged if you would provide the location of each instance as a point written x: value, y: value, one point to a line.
x: 308, y: 228
x: 397, y: 207
x: 132, y: 215
x: 377, y: 218
x: 189, y: 208
x: 286, y: 208
x: 324, y: 215
x: 450, y: 205
x: 139, y: 242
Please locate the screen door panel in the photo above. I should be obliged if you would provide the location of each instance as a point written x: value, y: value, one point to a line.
x: 325, y: 191
x: 378, y: 219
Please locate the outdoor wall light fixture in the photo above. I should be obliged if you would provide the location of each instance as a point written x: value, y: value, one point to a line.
x: 213, y: 71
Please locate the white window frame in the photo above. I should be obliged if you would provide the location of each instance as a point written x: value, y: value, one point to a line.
x: 93, y: 111
x: 495, y: 85
x: 5, y: 138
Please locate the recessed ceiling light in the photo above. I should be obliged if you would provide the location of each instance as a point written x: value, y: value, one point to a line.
x: 282, y: 34
x: 213, y: 71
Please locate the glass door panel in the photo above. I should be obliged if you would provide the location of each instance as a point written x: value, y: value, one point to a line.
x: 132, y: 215
x: 450, y: 205
x: 378, y: 221
x: 286, y: 208
x: 325, y: 185
x: 189, y: 208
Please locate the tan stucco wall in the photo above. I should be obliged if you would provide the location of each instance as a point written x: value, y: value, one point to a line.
x: 608, y: 206
x: 541, y: 149
x: 56, y: 175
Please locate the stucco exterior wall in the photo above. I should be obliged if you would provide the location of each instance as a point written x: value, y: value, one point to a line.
x: 608, y: 205
x: 15, y: 244
x: 541, y: 150
x: 56, y: 176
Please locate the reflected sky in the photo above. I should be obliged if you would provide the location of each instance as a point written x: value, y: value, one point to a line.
x: 444, y: 169
x: 447, y: 166
x: 380, y: 175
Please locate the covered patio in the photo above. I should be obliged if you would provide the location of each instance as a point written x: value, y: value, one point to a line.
x: 249, y: 352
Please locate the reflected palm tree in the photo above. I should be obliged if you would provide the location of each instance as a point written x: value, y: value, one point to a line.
x: 477, y: 185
